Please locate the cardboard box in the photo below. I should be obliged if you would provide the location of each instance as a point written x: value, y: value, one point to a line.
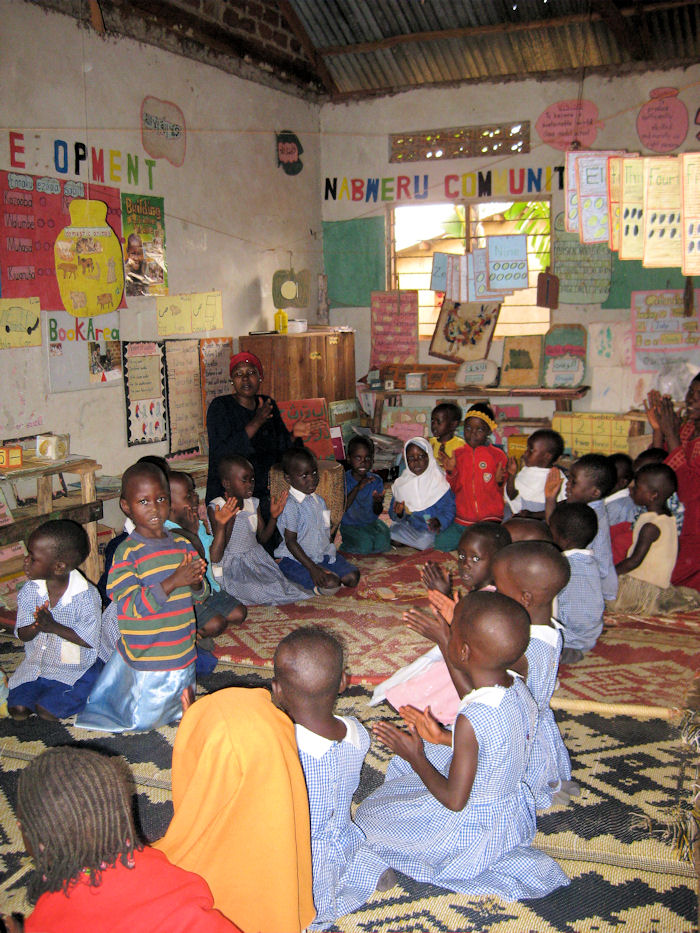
x: 53, y: 446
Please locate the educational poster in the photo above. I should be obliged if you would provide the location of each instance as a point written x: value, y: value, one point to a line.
x: 314, y: 412
x: 610, y: 343
x: 564, y: 357
x: 571, y: 195
x: 690, y: 193
x: 456, y: 288
x: 188, y: 314
x: 163, y: 130
x: 615, y: 198
x: 464, y: 330
x: 584, y: 270
x: 405, y: 423
x: 438, y: 275
x: 507, y: 262
x: 143, y: 221
x: 522, y: 361
x: 394, y: 328
x: 19, y: 323
x: 145, y: 392
x: 214, y: 361
x: 592, y: 190
x: 660, y: 328
x: 662, y: 212
x: 632, y: 209
x: 35, y: 211
x: 478, y: 277
x: 184, y: 395
x: 662, y: 123
x: 82, y: 352
x: 568, y: 120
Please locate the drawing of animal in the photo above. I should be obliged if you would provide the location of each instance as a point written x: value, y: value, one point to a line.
x: 86, y: 264
x: 79, y: 300
x: 104, y: 300
x: 69, y: 269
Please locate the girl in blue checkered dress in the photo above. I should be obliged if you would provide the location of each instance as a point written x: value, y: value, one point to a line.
x: 308, y: 677
x: 465, y: 821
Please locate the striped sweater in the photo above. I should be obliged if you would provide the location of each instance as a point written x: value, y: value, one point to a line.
x: 157, y: 631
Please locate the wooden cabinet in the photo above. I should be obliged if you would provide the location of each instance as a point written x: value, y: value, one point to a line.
x: 317, y: 364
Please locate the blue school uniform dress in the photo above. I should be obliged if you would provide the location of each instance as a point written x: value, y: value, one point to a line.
x: 602, y: 551
x: 529, y: 483
x: 580, y: 605
x: 549, y: 762
x: 620, y: 507
x: 483, y: 849
x: 362, y: 531
x: 310, y: 518
x: 345, y: 870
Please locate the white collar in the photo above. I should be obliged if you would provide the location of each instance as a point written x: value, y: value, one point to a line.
x: 298, y: 494
x: 546, y: 633
x: 76, y: 584
x: 620, y: 494
x: 317, y: 745
x: 578, y: 550
x: 489, y: 696
x: 129, y: 526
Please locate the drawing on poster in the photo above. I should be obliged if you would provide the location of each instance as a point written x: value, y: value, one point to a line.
x: 187, y: 314
x: 660, y: 327
x: 507, y: 262
x: 143, y: 221
x: 610, y: 343
x: 592, y: 190
x: 662, y: 212
x: 662, y: 122
x: 464, y: 330
x: 632, y: 209
x: 19, y: 323
x: 145, y: 392
x: 564, y: 356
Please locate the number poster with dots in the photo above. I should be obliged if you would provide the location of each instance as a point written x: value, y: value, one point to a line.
x: 507, y: 262
x: 632, y: 209
x: 690, y: 189
x: 662, y: 212
x: 592, y: 191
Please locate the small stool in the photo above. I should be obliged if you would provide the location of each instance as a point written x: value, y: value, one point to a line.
x: 331, y: 486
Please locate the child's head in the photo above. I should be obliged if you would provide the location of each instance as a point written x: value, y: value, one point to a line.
x: 489, y: 632
x: 573, y: 525
x: 521, y: 528
x: 300, y: 469
x: 237, y: 477
x: 444, y: 420
x: 183, y: 496
x: 418, y: 454
x: 360, y: 455
x: 156, y: 461
x: 650, y: 455
x: 309, y: 670
x: 479, y: 422
x: 653, y: 485
x: 476, y: 550
x: 592, y: 477
x: 544, y: 447
x: 145, y: 498
x: 624, y: 471
x: 55, y: 548
x: 74, y: 808
x: 531, y: 572
x: 134, y: 250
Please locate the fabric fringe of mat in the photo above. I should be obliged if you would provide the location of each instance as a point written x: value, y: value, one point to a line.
x: 679, y: 829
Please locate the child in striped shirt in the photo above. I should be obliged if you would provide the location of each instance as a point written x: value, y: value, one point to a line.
x: 155, y: 576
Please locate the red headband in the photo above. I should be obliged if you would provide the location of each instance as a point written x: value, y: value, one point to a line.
x: 245, y: 357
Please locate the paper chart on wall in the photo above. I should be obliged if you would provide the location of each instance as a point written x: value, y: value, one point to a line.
x: 592, y: 190
x: 662, y: 332
x: 214, y: 362
x: 632, y: 209
x: 19, y: 323
x: 478, y: 276
x: 690, y: 190
x: 189, y: 314
x: 394, y: 328
x: 82, y: 353
x: 507, y: 263
x: 584, y: 269
x: 145, y: 392
x: 615, y: 198
x: 184, y: 395
x: 610, y: 343
x: 662, y: 212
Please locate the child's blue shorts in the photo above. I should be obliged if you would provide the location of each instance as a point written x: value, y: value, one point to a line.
x: 61, y: 700
x: 298, y: 573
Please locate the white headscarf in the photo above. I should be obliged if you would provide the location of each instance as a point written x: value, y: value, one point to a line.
x: 420, y: 492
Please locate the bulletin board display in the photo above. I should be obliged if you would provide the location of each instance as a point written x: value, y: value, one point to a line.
x: 660, y: 327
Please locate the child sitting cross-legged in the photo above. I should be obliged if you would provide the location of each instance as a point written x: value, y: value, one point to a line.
x: 524, y: 489
x: 580, y: 605
x: 307, y: 554
x: 457, y: 812
x: 248, y: 571
x: 362, y: 531
x: 58, y: 620
x: 309, y: 675
x: 422, y: 503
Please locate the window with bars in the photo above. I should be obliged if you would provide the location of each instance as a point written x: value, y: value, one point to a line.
x: 417, y: 232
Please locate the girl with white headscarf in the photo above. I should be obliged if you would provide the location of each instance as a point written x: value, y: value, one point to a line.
x: 422, y: 502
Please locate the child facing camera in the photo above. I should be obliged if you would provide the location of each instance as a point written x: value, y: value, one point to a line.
x: 524, y: 490
x: 422, y: 503
x: 362, y: 531
x: 309, y: 675
x: 445, y: 418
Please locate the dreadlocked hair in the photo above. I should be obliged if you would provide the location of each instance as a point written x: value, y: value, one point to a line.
x: 75, y: 809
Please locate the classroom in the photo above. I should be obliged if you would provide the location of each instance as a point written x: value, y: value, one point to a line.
x: 360, y: 211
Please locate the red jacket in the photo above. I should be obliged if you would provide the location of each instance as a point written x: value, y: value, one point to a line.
x: 479, y: 498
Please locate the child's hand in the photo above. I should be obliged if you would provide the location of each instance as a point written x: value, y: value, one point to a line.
x: 552, y: 483
x: 434, y: 577
x: 425, y: 724
x: 443, y: 605
x: 43, y: 620
x: 651, y: 403
x: 408, y: 745
x: 324, y: 578
x: 190, y: 572
x: 378, y: 496
x: 399, y: 509
x: 278, y: 503
x: 433, y: 525
x: 512, y: 466
x: 447, y: 462
x: 499, y: 474
x: 223, y: 514
x: 432, y: 627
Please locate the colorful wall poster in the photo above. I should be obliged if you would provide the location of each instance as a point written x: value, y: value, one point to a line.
x: 507, y: 262
x: 662, y: 123
x: 464, y: 330
x: 632, y: 209
x: 35, y: 211
x: 394, y: 328
x: 564, y: 357
x: 19, y: 323
x: 660, y: 327
x: 163, y: 130
x: 184, y: 395
x: 592, y: 189
x: 143, y: 221
x: 567, y: 121
x: 145, y: 392
x: 314, y: 412
x: 188, y: 314
x: 214, y: 361
x: 662, y: 212
x: 82, y: 352
x: 584, y: 270
x: 690, y: 194
x: 522, y: 361
x: 571, y: 196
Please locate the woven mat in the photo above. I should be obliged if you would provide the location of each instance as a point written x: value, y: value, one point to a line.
x: 620, y: 873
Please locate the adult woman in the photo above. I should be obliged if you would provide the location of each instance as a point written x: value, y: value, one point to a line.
x: 248, y: 424
x: 682, y: 441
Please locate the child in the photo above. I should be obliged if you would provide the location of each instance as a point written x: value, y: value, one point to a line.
x: 422, y: 503
x: 676, y: 507
x: 445, y: 418
x: 249, y: 572
x: 58, y: 619
x: 309, y: 675
x: 475, y: 473
x: 524, y: 489
x: 155, y: 575
x: 620, y: 508
x: 591, y: 479
x: 645, y: 574
x: 465, y: 820
x: 580, y: 605
x: 361, y: 529
x: 308, y: 556
x: 527, y: 529
x: 532, y: 573
x: 91, y: 873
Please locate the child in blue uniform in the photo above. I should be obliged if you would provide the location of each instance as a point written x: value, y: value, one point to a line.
x: 422, y: 503
x: 465, y: 819
x: 362, y: 531
x: 309, y: 676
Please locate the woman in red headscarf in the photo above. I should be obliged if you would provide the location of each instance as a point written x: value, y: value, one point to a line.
x: 248, y: 424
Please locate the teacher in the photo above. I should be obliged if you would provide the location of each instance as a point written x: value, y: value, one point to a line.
x: 250, y: 425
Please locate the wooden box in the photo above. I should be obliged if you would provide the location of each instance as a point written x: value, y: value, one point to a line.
x: 10, y: 456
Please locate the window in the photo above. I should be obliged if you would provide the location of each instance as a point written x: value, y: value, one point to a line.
x: 460, y: 142
x: 416, y: 233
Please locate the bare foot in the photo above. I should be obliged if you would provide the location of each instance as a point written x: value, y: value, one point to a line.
x: 45, y: 714
x: 387, y: 880
x: 19, y: 712
x: 186, y: 699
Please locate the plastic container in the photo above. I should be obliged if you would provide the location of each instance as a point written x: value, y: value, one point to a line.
x: 281, y: 321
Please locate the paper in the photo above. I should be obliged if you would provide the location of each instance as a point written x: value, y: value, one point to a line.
x: 184, y: 395
x: 632, y: 209
x: 610, y: 343
x: 584, y: 270
x: 145, y: 394
x: 394, y: 328
x: 592, y: 188
x: 214, y: 363
x: 438, y: 276
x: 507, y: 262
x: 478, y: 276
x: 690, y: 192
x: 660, y: 329
x: 615, y: 198
x: 82, y: 352
x: 188, y: 314
x: 662, y: 212
x: 314, y: 412
x: 143, y: 221
x: 20, y: 320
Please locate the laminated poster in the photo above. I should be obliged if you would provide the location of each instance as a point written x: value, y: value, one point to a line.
x: 214, y: 361
x: 188, y: 314
x: 660, y: 329
x: 143, y: 221
x: 145, y: 392
x: 394, y: 328
x: 690, y: 191
x: 584, y: 270
x: 184, y: 395
x: 632, y: 209
x: 662, y: 212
